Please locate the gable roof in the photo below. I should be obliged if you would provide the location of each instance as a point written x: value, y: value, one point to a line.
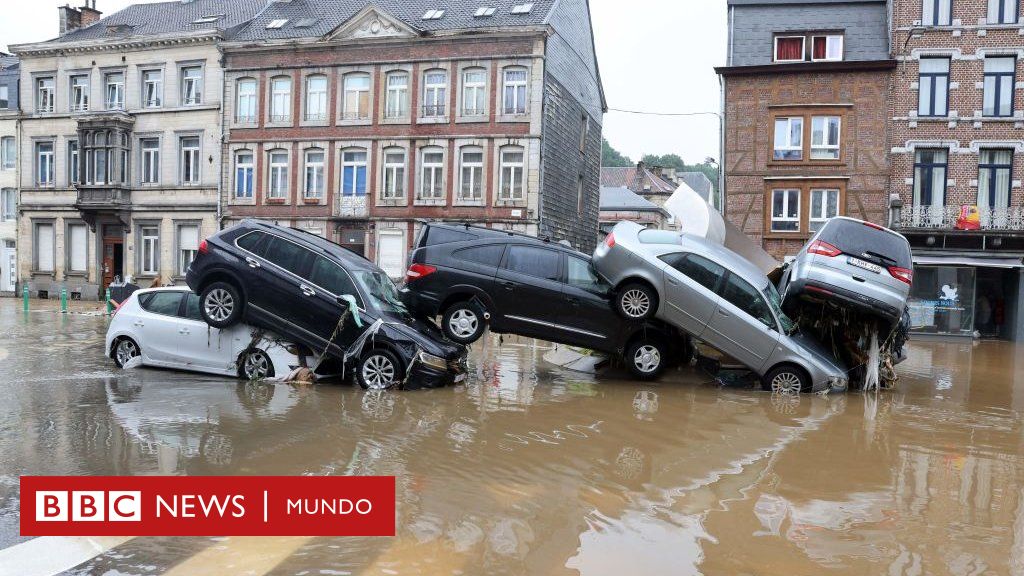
x: 8, y: 62
x: 324, y: 16
x: 699, y: 181
x: 640, y: 179
x: 618, y: 176
x: 615, y: 198
x: 164, y: 18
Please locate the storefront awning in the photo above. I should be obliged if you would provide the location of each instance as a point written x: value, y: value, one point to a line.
x: 968, y: 261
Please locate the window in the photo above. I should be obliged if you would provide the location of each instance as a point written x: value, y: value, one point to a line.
x: 936, y: 12
x: 163, y: 303
x: 281, y: 99
x: 190, y: 160
x: 483, y: 255
x: 745, y: 297
x: 930, y: 177
x: 5, y: 98
x: 149, y: 238
x: 484, y: 12
x: 152, y: 88
x: 277, y: 24
x: 394, y: 174
x: 285, y: 254
x: 356, y: 104
x: 515, y: 91
x: 397, y: 101
x: 243, y: 174
x: 79, y: 93
x: 246, y: 105
x: 432, y: 175
x: 581, y: 274
x: 512, y: 174
x: 789, y: 139
x: 825, y: 137
x: 433, y: 14
x: 8, y: 204
x: 785, y: 210
x: 188, y: 246
x: 435, y: 88
x: 699, y: 269
x: 44, y: 95
x: 78, y: 248
x: 933, y: 87
x: 278, y: 175
x: 114, y: 96
x: 789, y: 48
x: 331, y: 277
x: 584, y: 132
x: 314, y: 182
x: 824, y: 205
x: 474, y: 92
x: 192, y: 85
x: 353, y: 173
x: 994, y: 179
x: 520, y: 9
x: 44, y: 163
x: 8, y: 153
x: 827, y: 48
x: 150, y: 160
x: 1000, y: 72
x: 472, y: 179
x: 44, y: 247
x: 316, y: 98
x: 73, y: 159
x: 1002, y: 11
x: 536, y: 262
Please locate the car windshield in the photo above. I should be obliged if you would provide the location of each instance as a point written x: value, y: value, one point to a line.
x: 775, y: 301
x: 384, y: 296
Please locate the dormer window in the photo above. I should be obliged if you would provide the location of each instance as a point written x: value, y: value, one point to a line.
x: 789, y: 48
x: 522, y: 8
x: 484, y: 12
x: 433, y: 14
x: 208, y: 19
x: 276, y: 24
x: 824, y: 47
x: 827, y: 48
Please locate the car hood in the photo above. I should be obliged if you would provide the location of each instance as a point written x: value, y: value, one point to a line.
x: 817, y: 350
x: 424, y: 334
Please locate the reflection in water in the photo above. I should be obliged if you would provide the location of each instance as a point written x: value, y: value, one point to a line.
x: 530, y: 469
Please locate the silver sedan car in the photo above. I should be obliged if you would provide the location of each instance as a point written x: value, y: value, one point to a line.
x: 716, y: 296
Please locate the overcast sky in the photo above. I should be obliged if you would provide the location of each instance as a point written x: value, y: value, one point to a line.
x: 655, y: 56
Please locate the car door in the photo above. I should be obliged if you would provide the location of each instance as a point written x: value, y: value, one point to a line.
x: 281, y: 291
x: 158, y: 326
x: 743, y: 326
x: 528, y: 290
x: 587, y: 317
x: 208, y: 348
x: 322, y: 311
x: 690, y: 289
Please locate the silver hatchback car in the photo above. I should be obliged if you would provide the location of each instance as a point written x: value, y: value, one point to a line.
x: 853, y: 263
x: 716, y: 296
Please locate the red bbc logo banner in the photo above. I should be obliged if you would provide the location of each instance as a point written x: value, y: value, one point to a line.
x: 207, y: 506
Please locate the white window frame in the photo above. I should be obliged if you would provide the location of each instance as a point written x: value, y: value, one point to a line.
x: 518, y: 108
x: 346, y: 162
x: 789, y: 146
x: 187, y: 155
x: 8, y: 153
x: 246, y: 102
x: 149, y: 161
x: 396, y: 100
x: 47, y: 159
x: 785, y: 209
x: 113, y: 90
x: 8, y: 204
x: 803, y: 49
x: 46, y: 89
x: 152, y: 98
x: 37, y: 230
x: 5, y: 97
x: 74, y: 161
x: 935, y: 6
x: 822, y: 217
x: 476, y: 178
x: 439, y: 91
x: 280, y: 99
x: 71, y: 247
x: 79, y: 97
x: 149, y: 242
x: 315, y: 101
x: 474, y: 91
x: 313, y: 174
x: 435, y: 171
x: 1000, y: 7
x: 191, y: 86
x: 277, y: 174
x: 182, y: 252
x: 243, y: 189
x: 827, y: 146
x: 829, y: 39
x: 513, y: 167
x: 394, y: 176
x: 355, y: 94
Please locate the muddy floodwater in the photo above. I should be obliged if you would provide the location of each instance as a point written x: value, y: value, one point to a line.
x: 531, y: 469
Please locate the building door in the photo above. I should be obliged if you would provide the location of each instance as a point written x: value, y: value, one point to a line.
x: 113, y: 254
x: 8, y: 270
x: 353, y: 239
x: 391, y: 252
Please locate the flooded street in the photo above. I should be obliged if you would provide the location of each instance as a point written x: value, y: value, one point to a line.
x: 530, y: 469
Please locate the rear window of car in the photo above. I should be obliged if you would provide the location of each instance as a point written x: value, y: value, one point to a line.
x: 483, y: 255
x: 658, y: 237
x: 434, y: 236
x: 165, y: 303
x: 536, y: 262
x: 251, y: 242
x: 859, y: 239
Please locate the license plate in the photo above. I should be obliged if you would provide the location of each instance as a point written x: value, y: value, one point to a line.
x: 864, y: 265
x: 460, y: 378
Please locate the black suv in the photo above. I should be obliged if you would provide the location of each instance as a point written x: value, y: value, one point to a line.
x: 518, y: 284
x: 299, y: 285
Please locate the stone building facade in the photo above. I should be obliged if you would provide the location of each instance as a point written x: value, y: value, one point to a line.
x: 9, y: 73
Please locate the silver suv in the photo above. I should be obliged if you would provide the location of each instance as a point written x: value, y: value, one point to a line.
x: 717, y: 296
x: 853, y: 263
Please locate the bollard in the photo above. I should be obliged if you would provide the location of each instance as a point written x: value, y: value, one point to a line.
x: 63, y: 300
x: 24, y: 294
x: 110, y: 304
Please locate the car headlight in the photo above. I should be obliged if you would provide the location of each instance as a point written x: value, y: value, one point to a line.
x: 432, y: 361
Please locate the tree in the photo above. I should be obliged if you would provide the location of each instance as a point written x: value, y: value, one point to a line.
x: 610, y: 157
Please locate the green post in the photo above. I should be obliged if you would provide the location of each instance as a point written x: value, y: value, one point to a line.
x: 63, y: 300
x: 24, y: 297
x: 110, y: 304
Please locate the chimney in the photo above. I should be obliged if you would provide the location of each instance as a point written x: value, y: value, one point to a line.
x: 89, y: 13
x: 72, y: 19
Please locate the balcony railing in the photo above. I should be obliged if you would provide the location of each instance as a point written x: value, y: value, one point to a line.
x: 103, y: 197
x: 947, y: 217
x: 353, y: 206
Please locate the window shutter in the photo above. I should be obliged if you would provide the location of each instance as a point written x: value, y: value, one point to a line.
x: 188, y: 238
x: 78, y: 240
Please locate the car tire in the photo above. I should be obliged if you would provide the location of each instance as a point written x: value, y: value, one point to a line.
x: 636, y: 301
x: 379, y: 369
x: 463, y: 322
x: 221, y: 305
x: 786, y: 379
x: 254, y: 365
x: 646, y: 358
x: 124, y: 350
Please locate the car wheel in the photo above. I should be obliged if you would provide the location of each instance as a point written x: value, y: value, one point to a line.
x: 221, y: 305
x: 125, y: 350
x: 463, y: 322
x: 646, y: 358
x: 255, y: 365
x: 785, y: 380
x: 379, y: 370
x: 637, y: 301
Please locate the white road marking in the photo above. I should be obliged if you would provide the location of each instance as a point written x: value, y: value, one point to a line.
x: 49, y: 555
